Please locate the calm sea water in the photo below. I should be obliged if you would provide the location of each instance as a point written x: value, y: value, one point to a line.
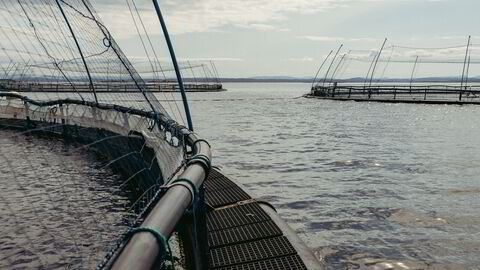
x: 366, y: 185
x: 60, y: 206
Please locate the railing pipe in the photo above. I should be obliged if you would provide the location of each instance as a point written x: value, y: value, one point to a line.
x: 142, y: 251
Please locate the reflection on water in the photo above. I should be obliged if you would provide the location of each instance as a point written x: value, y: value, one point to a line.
x: 368, y: 262
x: 60, y: 207
x: 366, y: 185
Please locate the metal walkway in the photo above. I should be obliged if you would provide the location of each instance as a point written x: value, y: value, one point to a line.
x: 241, y: 235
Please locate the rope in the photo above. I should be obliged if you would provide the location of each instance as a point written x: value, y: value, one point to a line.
x: 203, y: 160
x: 163, y: 243
x: 189, y: 182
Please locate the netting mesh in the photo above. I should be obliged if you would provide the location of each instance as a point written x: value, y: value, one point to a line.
x: 63, y: 45
x: 85, y: 142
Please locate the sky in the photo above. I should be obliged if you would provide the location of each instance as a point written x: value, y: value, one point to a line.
x: 292, y: 37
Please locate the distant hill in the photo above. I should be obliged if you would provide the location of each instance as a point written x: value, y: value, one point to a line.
x: 273, y: 79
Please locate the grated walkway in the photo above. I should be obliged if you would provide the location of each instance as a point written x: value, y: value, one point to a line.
x: 241, y: 235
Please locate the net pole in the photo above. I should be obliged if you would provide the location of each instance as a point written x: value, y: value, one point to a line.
x: 336, y: 68
x: 375, y: 65
x: 413, y: 73
x: 79, y: 50
x: 321, y: 66
x: 175, y: 64
x: 193, y: 73
x: 331, y: 64
x: 464, y: 66
x: 216, y: 71
x: 468, y: 71
x: 207, y: 79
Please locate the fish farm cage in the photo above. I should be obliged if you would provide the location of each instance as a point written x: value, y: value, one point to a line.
x: 100, y: 170
x: 401, y: 74
x: 434, y: 94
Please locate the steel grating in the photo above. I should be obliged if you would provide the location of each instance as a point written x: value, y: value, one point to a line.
x: 251, y: 251
x: 242, y: 234
x: 226, y: 196
x: 217, y: 181
x: 236, y: 216
x: 215, y: 173
x: 292, y: 262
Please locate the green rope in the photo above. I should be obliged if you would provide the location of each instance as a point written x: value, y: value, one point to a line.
x: 190, y: 183
x: 203, y: 160
x: 162, y: 242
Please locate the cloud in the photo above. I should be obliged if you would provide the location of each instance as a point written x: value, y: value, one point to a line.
x: 141, y: 59
x: 425, y: 55
x: 302, y: 59
x: 452, y: 37
x: 337, y: 39
x: 190, y: 16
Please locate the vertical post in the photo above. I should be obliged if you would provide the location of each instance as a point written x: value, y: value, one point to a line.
x: 464, y: 66
x: 321, y: 66
x: 175, y: 64
x: 374, y: 67
x: 92, y: 88
x: 329, y: 67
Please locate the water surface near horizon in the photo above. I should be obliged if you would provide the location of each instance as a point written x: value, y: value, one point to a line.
x: 366, y: 185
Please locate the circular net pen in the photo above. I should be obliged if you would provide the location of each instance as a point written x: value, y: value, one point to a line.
x: 89, y: 154
x: 394, y: 73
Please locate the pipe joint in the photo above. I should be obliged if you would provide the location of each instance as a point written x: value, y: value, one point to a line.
x: 202, y: 160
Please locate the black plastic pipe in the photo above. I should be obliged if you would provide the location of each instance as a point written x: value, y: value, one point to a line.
x: 175, y: 64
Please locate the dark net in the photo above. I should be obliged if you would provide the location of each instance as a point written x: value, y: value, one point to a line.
x: 85, y: 144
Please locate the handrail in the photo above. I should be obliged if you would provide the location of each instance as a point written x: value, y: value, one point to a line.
x: 161, y: 118
x: 143, y: 249
x: 386, y: 88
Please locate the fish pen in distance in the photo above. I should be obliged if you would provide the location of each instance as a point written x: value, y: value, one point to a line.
x: 198, y: 77
x: 401, y: 74
x: 433, y: 94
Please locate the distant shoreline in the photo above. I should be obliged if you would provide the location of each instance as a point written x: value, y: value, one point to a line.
x: 353, y: 80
